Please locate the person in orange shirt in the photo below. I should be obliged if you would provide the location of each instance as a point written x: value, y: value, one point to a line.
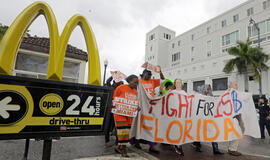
x: 123, y: 123
x: 148, y: 83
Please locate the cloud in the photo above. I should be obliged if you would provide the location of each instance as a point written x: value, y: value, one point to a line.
x: 214, y: 7
x: 120, y: 26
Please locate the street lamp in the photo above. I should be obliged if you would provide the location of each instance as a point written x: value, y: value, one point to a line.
x: 252, y: 22
x: 105, y: 67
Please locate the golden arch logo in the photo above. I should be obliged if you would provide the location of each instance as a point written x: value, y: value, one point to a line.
x: 10, y: 43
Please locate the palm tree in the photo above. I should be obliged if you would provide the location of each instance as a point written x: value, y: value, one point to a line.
x: 3, y: 30
x: 246, y: 58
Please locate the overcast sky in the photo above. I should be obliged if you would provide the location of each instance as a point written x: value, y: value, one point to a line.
x: 120, y: 26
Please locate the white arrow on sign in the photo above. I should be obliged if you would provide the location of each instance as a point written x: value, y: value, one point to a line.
x: 4, y: 107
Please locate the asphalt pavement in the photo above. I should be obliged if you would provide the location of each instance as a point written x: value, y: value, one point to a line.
x: 92, y: 148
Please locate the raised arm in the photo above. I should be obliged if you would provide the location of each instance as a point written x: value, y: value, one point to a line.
x: 161, y: 74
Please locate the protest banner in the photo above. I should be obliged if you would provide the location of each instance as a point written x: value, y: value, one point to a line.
x: 178, y: 119
x: 118, y: 76
x: 125, y: 107
x: 151, y: 67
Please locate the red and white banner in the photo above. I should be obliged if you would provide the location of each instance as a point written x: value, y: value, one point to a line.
x: 151, y: 67
x: 125, y: 107
x: 178, y: 119
x: 118, y: 76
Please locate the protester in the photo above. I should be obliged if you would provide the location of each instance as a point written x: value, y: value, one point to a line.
x: 123, y: 123
x: 149, y: 84
x: 233, y: 145
x: 166, y: 86
x: 109, y: 120
x: 178, y: 90
x: 207, y: 90
x: 264, y: 112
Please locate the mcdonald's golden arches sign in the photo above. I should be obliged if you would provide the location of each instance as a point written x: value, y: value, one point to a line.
x: 35, y: 108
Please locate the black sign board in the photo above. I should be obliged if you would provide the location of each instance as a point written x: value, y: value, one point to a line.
x: 35, y: 108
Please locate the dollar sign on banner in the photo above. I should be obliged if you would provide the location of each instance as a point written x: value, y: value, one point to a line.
x: 237, y: 105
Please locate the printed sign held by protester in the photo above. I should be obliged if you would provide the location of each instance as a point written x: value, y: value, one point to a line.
x: 118, y: 76
x: 151, y: 67
x: 125, y: 107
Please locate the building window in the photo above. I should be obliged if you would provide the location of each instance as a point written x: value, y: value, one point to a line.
x: 209, y: 48
x: 192, y: 37
x: 266, y: 4
x: 235, y: 18
x: 230, y: 38
x: 35, y: 66
x: 176, y: 57
x: 197, y: 84
x: 179, y: 42
x: 209, y: 54
x: 250, y: 11
x: 151, y: 48
x: 192, y: 49
x: 167, y: 36
x: 151, y: 37
x: 208, y: 30
x: 172, y: 45
x: 184, y: 87
x: 223, y: 23
x: 209, y: 45
x: 264, y: 28
x: 220, y: 84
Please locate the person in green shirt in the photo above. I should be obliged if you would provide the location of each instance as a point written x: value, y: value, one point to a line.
x: 166, y: 86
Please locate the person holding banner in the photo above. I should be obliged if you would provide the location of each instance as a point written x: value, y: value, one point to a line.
x: 149, y: 85
x: 166, y: 86
x: 123, y: 123
x: 233, y: 145
x: 178, y: 89
x: 207, y: 90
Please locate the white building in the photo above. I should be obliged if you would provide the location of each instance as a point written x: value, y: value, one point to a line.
x: 198, y: 56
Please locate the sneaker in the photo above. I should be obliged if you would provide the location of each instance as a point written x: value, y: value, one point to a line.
x: 179, y: 150
x: 234, y: 153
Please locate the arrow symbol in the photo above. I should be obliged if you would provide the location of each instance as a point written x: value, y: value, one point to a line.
x: 4, y: 107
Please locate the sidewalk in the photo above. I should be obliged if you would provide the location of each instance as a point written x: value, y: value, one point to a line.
x: 252, y: 149
x: 252, y: 146
x: 168, y: 153
x: 92, y: 148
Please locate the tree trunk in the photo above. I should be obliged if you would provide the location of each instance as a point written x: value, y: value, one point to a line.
x: 246, y: 81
